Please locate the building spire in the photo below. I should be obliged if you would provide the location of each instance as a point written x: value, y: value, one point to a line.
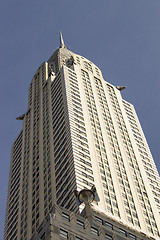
x: 62, y: 41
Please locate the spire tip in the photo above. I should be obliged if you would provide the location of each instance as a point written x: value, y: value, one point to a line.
x: 62, y: 45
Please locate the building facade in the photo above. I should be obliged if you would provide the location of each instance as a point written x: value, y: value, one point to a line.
x: 77, y: 133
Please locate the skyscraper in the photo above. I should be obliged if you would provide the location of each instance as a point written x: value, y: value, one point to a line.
x: 78, y: 133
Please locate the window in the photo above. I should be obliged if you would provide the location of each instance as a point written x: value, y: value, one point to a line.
x: 63, y: 234
x: 43, y: 236
x: 99, y: 220
x: 78, y: 238
x: 65, y: 216
x: 109, y: 225
x: 122, y: 232
x: 131, y: 236
x: 80, y: 223
x: 94, y: 231
x: 108, y: 237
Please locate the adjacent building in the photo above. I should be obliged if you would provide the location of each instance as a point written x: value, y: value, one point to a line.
x: 78, y: 133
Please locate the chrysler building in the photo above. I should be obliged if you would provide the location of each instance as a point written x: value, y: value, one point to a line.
x: 79, y: 133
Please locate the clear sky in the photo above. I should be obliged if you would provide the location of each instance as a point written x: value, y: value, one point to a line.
x: 122, y: 37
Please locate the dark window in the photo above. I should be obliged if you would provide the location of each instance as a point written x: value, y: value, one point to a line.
x: 43, y: 236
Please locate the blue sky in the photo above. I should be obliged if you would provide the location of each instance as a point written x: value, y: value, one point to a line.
x: 122, y: 37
